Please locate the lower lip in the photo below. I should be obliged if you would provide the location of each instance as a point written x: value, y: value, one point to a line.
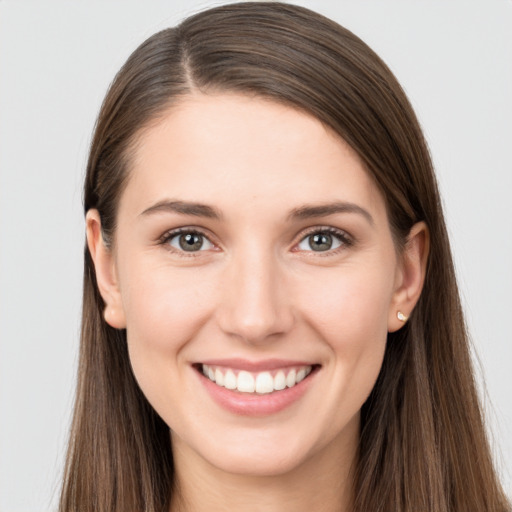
x: 253, y: 404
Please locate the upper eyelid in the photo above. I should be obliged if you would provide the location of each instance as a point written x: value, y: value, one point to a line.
x: 341, y: 233
x: 305, y: 232
x: 171, y: 233
x: 329, y: 229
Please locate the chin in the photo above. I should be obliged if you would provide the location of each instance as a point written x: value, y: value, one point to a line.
x: 260, y: 453
x: 255, y: 463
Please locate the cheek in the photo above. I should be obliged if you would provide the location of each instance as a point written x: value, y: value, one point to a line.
x: 351, y: 318
x: 351, y: 308
x: 350, y: 315
x: 160, y: 300
x: 164, y: 311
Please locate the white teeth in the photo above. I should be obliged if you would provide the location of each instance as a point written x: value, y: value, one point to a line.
x: 230, y: 380
x: 264, y: 383
x: 261, y: 382
x: 219, y: 377
x: 245, y: 382
x: 279, y: 381
x: 290, y: 379
x: 300, y: 375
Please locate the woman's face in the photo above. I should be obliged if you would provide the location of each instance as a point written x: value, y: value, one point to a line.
x: 252, y: 246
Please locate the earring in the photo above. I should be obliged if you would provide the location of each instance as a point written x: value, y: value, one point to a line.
x: 402, y: 317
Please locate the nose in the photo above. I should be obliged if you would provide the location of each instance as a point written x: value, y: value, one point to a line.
x: 255, y: 303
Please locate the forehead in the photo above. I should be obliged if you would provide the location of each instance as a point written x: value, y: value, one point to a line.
x: 244, y: 152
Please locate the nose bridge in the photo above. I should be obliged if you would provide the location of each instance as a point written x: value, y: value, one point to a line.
x: 255, y: 303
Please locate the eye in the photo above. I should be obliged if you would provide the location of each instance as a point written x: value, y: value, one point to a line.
x: 323, y: 240
x: 187, y: 241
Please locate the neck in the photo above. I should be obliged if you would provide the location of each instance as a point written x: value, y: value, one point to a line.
x: 322, y: 483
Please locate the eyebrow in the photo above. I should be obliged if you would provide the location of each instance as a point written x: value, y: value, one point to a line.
x: 185, y: 208
x: 300, y: 213
x: 321, y: 210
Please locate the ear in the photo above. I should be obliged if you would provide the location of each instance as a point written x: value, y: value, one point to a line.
x: 106, y: 278
x: 410, y: 276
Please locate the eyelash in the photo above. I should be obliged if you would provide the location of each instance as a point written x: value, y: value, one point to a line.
x: 345, y: 240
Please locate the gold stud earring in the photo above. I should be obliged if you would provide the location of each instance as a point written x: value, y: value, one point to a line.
x: 402, y: 317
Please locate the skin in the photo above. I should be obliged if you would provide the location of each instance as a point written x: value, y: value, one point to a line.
x: 256, y: 290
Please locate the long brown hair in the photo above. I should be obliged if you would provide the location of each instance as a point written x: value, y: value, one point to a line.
x: 423, y: 443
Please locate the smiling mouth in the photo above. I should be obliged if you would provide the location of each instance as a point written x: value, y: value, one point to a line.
x: 261, y: 383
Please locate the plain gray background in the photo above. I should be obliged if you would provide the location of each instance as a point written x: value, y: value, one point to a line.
x: 454, y: 59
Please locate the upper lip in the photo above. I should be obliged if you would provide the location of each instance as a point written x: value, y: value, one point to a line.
x: 255, y: 366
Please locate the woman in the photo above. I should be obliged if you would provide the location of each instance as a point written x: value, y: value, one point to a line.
x: 271, y: 319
